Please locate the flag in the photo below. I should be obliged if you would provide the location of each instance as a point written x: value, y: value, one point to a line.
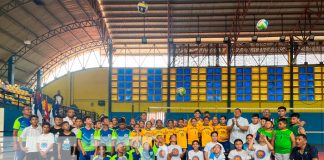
x: 46, y: 112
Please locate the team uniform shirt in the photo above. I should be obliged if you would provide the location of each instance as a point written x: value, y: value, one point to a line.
x: 210, y: 145
x: 205, y: 132
x: 107, y: 137
x: 192, y: 155
x: 236, y: 155
x: 295, y: 129
x: 223, y: 133
x: 101, y: 158
x: 176, y: 149
x: 162, y: 153
x: 236, y: 132
x: 147, y: 154
x: 214, y: 156
x: 282, y: 141
x: 181, y: 137
x: 268, y: 134
x: 192, y: 134
x: 127, y: 156
x: 261, y: 152
x: 136, y: 136
x: 168, y: 132
x: 122, y: 136
x: 275, y: 123
x: 20, y: 124
x: 158, y: 132
x: 75, y: 130
x: 87, y: 138
x: 31, y: 135
x: 200, y: 122
x: 134, y: 155
x: 67, y: 141
x: 45, y: 140
x: 253, y: 128
x: 147, y: 136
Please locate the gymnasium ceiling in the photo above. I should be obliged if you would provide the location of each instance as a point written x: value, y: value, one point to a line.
x: 125, y: 25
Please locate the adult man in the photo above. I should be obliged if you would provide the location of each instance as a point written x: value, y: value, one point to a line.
x: 255, y: 125
x: 85, y: 138
x: 107, y: 136
x: 20, y: 124
x: 303, y: 150
x: 144, y: 116
x: 266, y: 113
x: 58, y: 101
x: 69, y: 116
x: 238, y: 127
x: 123, y: 134
x: 197, y: 114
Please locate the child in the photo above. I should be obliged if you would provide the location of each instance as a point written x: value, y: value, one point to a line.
x: 181, y: 133
x: 45, y: 142
x: 147, y: 152
x: 210, y: 145
x: 283, y: 140
x: 261, y: 151
x: 205, y: 132
x: 66, y: 142
x: 30, y: 135
x: 249, y: 140
x: 195, y: 153
x: 147, y: 133
x: 101, y: 153
x: 262, y: 122
x: 216, y: 153
x: 174, y: 150
x: 266, y: 130
x: 86, y: 140
x: 107, y: 136
x: 238, y: 152
x: 141, y: 124
x: 121, y: 153
x: 134, y: 152
x: 214, y: 122
x: 192, y: 132
x: 294, y: 127
x: 168, y: 131
x: 97, y: 128
x: 162, y: 151
x: 255, y: 125
x: 223, y: 134
x: 136, y: 134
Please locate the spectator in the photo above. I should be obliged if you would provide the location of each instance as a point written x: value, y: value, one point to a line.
x: 56, y: 130
x: 20, y: 124
x: 238, y: 127
x: 158, y: 129
x: 45, y: 143
x: 58, y: 102
x: 152, y: 120
x: 66, y: 143
x: 238, y: 152
x: 38, y: 103
x: 69, y: 116
x: 85, y: 134
x: 30, y: 135
x: 283, y: 140
x: 255, y: 125
x: 303, y: 150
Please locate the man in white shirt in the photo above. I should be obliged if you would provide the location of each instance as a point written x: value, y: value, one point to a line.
x: 45, y: 142
x: 69, y: 116
x: 255, y: 125
x: 30, y: 135
x: 238, y: 127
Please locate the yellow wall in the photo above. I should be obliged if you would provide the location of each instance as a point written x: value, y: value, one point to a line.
x: 84, y: 88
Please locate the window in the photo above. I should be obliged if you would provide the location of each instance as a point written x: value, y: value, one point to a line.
x: 125, y: 84
x: 243, y: 84
x: 183, y: 79
x: 306, y: 83
x: 275, y: 84
x: 214, y: 84
x: 154, y: 85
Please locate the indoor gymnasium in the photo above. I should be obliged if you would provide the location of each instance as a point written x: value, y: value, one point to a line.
x: 162, y: 79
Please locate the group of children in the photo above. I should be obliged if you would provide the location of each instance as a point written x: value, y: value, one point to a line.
x: 197, y: 139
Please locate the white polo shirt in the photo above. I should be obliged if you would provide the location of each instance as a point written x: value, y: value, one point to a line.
x: 31, y: 135
x: 236, y: 132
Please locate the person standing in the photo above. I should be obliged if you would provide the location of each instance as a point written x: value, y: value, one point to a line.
x: 38, y: 102
x: 238, y: 127
x: 45, y: 143
x: 58, y: 102
x: 255, y: 125
x: 168, y: 131
x: 85, y: 138
x: 193, y: 133
x: 223, y: 134
x: 123, y: 134
x: 107, y: 136
x: 55, y: 130
x: 205, y: 131
x: 30, y: 135
x: 20, y: 124
x: 262, y: 150
x: 66, y: 143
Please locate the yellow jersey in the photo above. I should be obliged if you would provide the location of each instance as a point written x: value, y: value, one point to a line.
x: 192, y: 134
x: 199, y: 123
x: 158, y: 132
x: 167, y: 133
x: 181, y: 136
x: 135, y: 136
x: 223, y: 133
x: 147, y: 136
x: 205, y: 132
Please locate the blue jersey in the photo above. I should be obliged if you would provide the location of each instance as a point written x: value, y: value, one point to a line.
x: 106, y: 137
x: 123, y: 136
x: 98, y: 158
x: 87, y: 138
x: 20, y: 124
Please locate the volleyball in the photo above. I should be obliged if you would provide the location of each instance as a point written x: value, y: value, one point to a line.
x: 142, y: 7
x: 262, y: 25
x: 181, y: 91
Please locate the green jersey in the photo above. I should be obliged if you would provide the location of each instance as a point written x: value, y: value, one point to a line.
x: 20, y: 124
x: 87, y: 138
x: 282, y: 141
x: 275, y: 124
x: 268, y: 134
x: 294, y: 129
